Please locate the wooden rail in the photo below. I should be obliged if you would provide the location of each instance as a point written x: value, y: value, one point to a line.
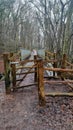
x: 25, y: 86
x: 25, y: 73
x: 25, y: 67
x: 59, y: 69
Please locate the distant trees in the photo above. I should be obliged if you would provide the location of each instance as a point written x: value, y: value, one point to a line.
x: 68, y: 29
x: 41, y: 24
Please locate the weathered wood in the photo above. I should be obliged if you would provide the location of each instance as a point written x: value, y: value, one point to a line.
x: 59, y: 69
x: 25, y: 67
x: 25, y: 73
x: 7, y: 72
x: 41, y: 93
x: 24, y: 61
x: 35, y: 74
x: 13, y: 74
x: 59, y: 94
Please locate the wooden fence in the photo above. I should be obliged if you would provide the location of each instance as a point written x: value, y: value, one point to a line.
x: 63, y: 70
x: 39, y: 68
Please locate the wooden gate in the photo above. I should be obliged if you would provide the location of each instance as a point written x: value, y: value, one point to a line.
x: 14, y: 69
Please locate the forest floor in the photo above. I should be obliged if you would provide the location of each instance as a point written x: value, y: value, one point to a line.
x: 21, y: 111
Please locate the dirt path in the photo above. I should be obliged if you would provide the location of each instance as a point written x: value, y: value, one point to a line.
x: 20, y: 111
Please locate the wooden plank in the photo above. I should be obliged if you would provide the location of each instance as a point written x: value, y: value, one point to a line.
x: 26, y: 67
x: 35, y: 74
x: 25, y: 73
x: 59, y: 69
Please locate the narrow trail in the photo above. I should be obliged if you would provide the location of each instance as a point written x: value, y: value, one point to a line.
x: 20, y: 111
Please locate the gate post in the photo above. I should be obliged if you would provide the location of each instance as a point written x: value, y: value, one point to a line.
x: 41, y: 92
x: 7, y: 72
x: 13, y: 74
x: 64, y: 61
x: 35, y: 74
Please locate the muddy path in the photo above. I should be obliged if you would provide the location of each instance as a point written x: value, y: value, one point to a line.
x: 20, y: 110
